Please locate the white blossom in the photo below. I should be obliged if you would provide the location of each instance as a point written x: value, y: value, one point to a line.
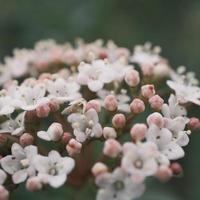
x: 139, y: 160
x: 53, y: 133
x: 167, y: 145
x: 173, y: 109
x: 85, y: 125
x: 6, y: 105
x: 53, y: 170
x: 95, y: 75
x: 118, y: 186
x: 14, y: 126
x: 30, y: 96
x: 185, y: 93
x: 63, y: 90
x: 19, y: 164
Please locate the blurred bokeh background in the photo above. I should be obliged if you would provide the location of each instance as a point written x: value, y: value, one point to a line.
x: 172, y: 24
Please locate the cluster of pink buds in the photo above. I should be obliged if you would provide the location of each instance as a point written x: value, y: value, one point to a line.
x: 67, y: 110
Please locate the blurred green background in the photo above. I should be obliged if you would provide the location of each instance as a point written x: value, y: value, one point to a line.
x: 172, y: 24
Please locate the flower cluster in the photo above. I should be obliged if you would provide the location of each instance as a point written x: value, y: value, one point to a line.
x: 60, y: 102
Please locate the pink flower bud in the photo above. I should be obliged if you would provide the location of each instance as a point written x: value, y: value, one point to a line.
x: 43, y: 110
x: 99, y: 168
x: 194, y: 123
x: 148, y: 91
x: 112, y: 148
x: 110, y: 103
x: 73, y: 147
x: 176, y: 169
x: 164, y: 173
x: 109, y: 132
x: 138, y: 131
x: 55, y: 131
x: 156, y: 102
x: 119, y: 120
x: 3, y: 138
x: 156, y: 119
x: 26, y: 139
x: 93, y: 104
x: 53, y: 105
x: 66, y: 137
x: 137, y: 106
x: 4, y: 194
x: 33, y: 184
x: 132, y: 78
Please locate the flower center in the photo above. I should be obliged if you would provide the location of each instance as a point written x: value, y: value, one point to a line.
x: 52, y: 171
x: 25, y: 163
x: 138, y: 163
x: 118, y: 185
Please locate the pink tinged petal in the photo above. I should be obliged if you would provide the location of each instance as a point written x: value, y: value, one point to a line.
x: 7, y: 110
x: 54, y: 156
x: 82, y: 79
x: 3, y: 177
x: 57, y: 181
x: 173, y: 151
x: 162, y: 159
x: 164, y: 138
x: 67, y: 164
x: 80, y: 136
x: 17, y: 151
x: 10, y: 164
x: 18, y: 131
x: 97, y: 130
x: 129, y: 147
x: 182, y: 139
x: 43, y: 135
x: 31, y: 151
x: 39, y: 91
x: 19, y: 176
x: 92, y: 115
x: 150, y: 167
x: 104, y: 180
x: 95, y: 86
x: 165, y: 110
x: 41, y: 163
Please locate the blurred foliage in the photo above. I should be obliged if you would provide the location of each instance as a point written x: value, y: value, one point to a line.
x: 172, y: 24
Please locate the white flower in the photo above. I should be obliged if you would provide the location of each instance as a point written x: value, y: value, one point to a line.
x: 6, y: 105
x: 122, y: 98
x: 19, y: 64
x: 3, y: 177
x: 63, y: 90
x: 19, y: 164
x: 53, y: 170
x: 145, y: 55
x: 53, y: 133
x: 173, y: 109
x: 14, y: 126
x: 139, y: 160
x: 118, y: 186
x: 95, y: 75
x: 167, y: 145
x: 30, y: 97
x: 185, y: 92
x: 177, y: 126
x: 85, y: 125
